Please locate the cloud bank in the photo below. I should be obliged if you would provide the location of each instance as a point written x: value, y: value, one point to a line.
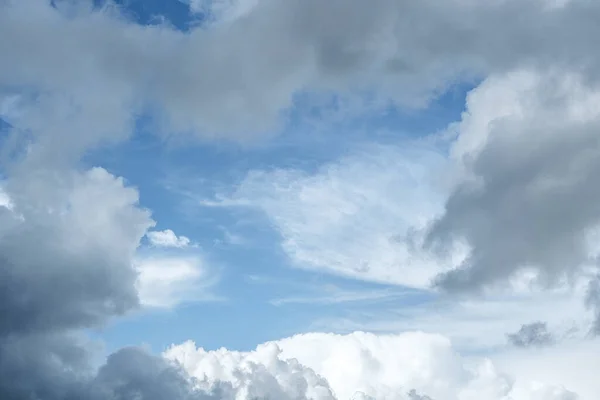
x: 363, y: 366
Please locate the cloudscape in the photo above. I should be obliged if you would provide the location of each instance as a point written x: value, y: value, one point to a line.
x: 299, y: 199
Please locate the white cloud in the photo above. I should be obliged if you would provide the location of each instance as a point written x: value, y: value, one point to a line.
x: 166, y: 281
x: 222, y: 11
x: 352, y: 217
x: 385, y: 367
x: 4, y: 199
x: 332, y: 294
x: 473, y: 324
x: 167, y: 238
x: 572, y: 363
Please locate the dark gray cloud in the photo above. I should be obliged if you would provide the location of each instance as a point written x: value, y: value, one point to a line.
x: 250, y: 68
x: 53, y: 367
x: 592, y: 301
x: 66, y: 246
x: 61, y: 269
x: 530, y: 198
x: 134, y: 374
x: 535, y: 334
x: 413, y: 395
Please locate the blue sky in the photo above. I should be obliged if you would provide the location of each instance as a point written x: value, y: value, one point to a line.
x: 160, y: 168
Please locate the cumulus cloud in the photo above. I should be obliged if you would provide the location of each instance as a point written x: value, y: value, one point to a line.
x: 222, y: 11
x: 4, y: 199
x: 66, y: 248
x: 165, y: 281
x: 533, y: 334
x: 364, y: 366
x: 252, y: 375
x: 526, y: 203
x: 68, y: 245
x: 167, y: 238
x: 528, y: 144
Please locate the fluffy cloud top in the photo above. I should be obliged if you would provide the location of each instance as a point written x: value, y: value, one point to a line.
x: 165, y: 281
x: 167, y: 238
x: 361, y: 366
x: 66, y: 246
x: 528, y: 145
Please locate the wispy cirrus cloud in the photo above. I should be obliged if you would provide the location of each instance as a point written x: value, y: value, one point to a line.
x: 356, y: 216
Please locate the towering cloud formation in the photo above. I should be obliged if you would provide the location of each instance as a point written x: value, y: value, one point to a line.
x: 529, y: 147
x: 527, y: 201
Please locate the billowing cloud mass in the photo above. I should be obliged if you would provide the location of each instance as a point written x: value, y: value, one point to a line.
x: 524, y: 197
x: 66, y: 246
x: 108, y: 68
x: 538, y: 210
x: 364, y: 366
x: 167, y: 238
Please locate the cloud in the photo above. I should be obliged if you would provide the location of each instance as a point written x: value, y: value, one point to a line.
x: 67, y: 247
x: 331, y: 294
x: 592, y: 301
x: 528, y: 201
x: 165, y: 281
x: 321, y: 292
x: 4, y: 200
x: 473, y: 324
x: 570, y: 362
x: 353, y: 217
x: 167, y: 238
x: 533, y: 334
x: 133, y: 374
x: 252, y: 375
x: 207, y: 81
x: 222, y: 11
x: 365, y: 366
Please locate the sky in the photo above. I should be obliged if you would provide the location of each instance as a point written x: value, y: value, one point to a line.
x: 299, y: 200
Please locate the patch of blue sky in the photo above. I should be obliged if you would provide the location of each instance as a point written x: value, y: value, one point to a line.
x: 154, y: 12
x: 266, y: 297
